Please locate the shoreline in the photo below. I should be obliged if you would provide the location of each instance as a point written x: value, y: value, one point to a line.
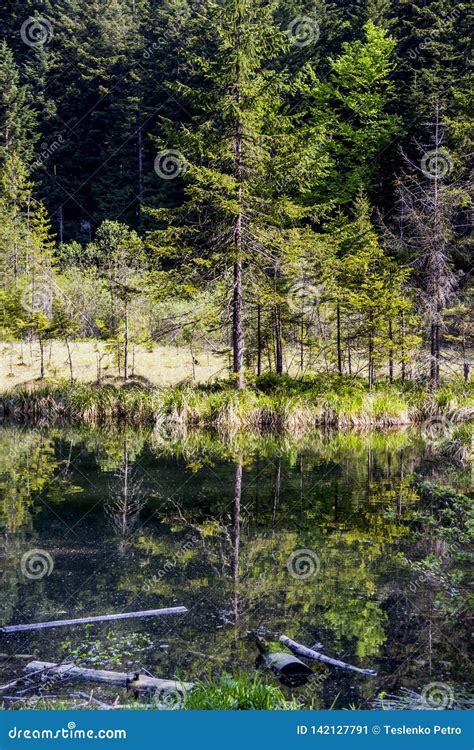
x: 283, y: 406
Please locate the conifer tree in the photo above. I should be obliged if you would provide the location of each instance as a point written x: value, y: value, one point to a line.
x: 225, y: 152
x: 15, y: 211
x: 370, y: 287
x: 358, y: 98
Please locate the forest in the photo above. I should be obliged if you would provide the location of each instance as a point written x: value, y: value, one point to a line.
x: 283, y: 186
x: 236, y: 325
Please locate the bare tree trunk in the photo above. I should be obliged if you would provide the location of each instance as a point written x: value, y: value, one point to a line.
x: 437, y: 353
x: 276, y: 488
x: 278, y: 341
x: 259, y: 340
x: 371, y: 355
x: 302, y: 344
x: 69, y: 358
x: 236, y: 535
x: 237, y: 325
x: 61, y: 225
x: 390, y: 353
x: 237, y: 312
x: 402, y: 345
x: 125, y: 343
x: 465, y: 367
x: 434, y: 347
x: 140, y: 172
x: 41, y: 346
x: 339, y: 352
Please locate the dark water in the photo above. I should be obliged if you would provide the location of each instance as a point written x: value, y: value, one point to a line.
x: 324, y: 539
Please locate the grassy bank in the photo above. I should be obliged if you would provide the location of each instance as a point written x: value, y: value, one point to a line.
x: 269, y: 403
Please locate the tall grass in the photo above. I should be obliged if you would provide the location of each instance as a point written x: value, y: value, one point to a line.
x: 239, y: 693
x: 276, y: 404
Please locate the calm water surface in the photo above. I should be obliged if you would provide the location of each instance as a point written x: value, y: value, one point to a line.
x: 317, y: 539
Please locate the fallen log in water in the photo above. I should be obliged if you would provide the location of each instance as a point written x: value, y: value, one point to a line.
x: 87, y: 620
x: 308, y: 653
x: 132, y: 681
x: 288, y: 668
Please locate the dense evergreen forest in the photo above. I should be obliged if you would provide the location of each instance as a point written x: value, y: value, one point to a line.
x: 282, y: 183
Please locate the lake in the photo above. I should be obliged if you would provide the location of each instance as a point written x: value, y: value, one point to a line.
x: 336, y: 538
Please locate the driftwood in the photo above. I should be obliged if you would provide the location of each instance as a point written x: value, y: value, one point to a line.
x: 308, y: 653
x: 87, y: 620
x: 19, y: 680
x: 133, y: 681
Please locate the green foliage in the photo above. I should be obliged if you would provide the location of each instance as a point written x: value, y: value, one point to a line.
x: 279, y: 403
x: 110, y: 651
x: 238, y: 693
x: 17, y: 119
x: 283, y: 152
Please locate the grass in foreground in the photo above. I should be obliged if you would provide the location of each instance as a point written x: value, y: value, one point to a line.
x: 225, y: 693
x: 240, y: 693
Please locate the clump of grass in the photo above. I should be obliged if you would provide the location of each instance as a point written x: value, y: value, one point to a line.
x: 239, y: 693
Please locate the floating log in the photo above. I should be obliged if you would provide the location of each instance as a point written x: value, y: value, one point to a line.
x: 18, y: 680
x: 132, y: 681
x: 286, y: 664
x: 308, y: 653
x: 288, y: 668
x: 87, y: 620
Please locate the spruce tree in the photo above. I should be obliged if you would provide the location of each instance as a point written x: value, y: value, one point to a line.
x: 225, y: 219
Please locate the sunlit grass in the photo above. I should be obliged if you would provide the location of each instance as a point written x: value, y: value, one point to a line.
x: 281, y: 404
x: 240, y: 693
x: 164, y: 365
